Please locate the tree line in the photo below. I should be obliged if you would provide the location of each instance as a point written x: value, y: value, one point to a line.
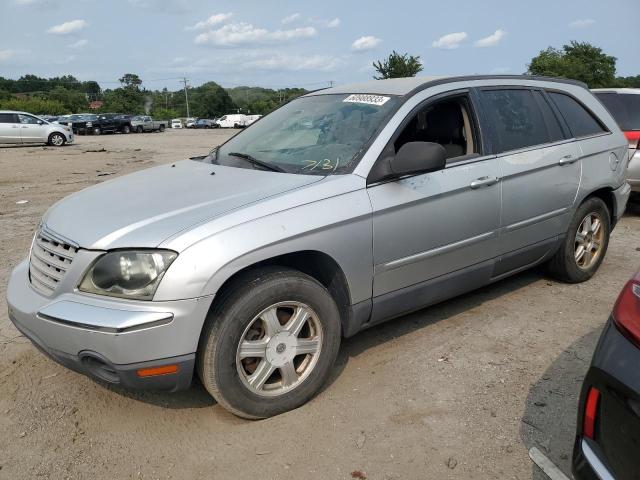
x: 63, y: 95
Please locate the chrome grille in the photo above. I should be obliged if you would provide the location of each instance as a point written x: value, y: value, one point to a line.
x: 50, y: 259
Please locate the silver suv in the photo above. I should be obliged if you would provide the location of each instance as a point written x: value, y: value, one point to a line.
x: 22, y: 127
x: 344, y: 208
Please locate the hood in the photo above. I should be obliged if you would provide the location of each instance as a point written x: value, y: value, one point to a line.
x: 144, y: 208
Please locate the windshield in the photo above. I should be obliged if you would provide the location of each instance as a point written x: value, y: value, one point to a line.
x: 137, y: 119
x: 316, y: 135
x: 624, y: 107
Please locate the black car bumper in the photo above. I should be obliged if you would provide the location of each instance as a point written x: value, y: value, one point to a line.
x: 97, y: 366
x: 615, y: 372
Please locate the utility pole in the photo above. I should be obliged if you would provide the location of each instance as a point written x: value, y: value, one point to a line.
x: 331, y: 82
x: 186, y: 95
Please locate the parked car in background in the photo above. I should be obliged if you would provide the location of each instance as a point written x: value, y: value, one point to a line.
x: 123, y: 122
x: 231, y: 121
x: 62, y: 120
x: 23, y: 127
x: 176, y: 123
x: 144, y: 123
x: 624, y: 105
x: 82, y: 123
x: 249, y: 119
x: 190, y: 122
x: 608, y: 433
x: 205, y: 123
x: 342, y: 209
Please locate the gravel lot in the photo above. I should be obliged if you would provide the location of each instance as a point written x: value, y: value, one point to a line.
x: 460, y: 390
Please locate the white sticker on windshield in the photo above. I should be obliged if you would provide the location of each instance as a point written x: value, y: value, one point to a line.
x: 368, y: 99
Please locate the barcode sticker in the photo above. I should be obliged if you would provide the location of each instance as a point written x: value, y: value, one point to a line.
x: 368, y: 99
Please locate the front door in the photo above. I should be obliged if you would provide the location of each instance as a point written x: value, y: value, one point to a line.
x: 32, y: 130
x: 435, y: 234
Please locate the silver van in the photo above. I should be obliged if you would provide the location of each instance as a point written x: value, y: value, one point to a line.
x: 23, y: 127
x: 342, y: 209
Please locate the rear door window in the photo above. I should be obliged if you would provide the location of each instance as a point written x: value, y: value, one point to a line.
x: 624, y: 108
x: 516, y: 119
x: 8, y: 118
x: 581, y: 122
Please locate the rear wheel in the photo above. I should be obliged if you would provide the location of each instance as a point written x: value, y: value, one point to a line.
x: 585, y: 244
x: 97, y: 131
x: 126, y: 129
x: 269, y: 344
x: 161, y: 128
x: 56, y: 139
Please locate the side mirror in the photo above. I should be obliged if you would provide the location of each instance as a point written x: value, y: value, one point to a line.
x: 418, y: 157
x: 40, y: 122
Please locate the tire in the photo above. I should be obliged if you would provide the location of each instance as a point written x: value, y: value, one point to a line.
x: 585, y: 244
x: 238, y: 314
x: 56, y: 139
x: 139, y: 129
x: 97, y: 131
x: 161, y: 128
x: 126, y: 129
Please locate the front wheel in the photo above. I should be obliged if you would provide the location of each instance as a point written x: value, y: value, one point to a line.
x: 269, y: 343
x: 97, y: 131
x: 585, y: 244
x: 126, y: 129
x: 139, y: 130
x: 56, y: 139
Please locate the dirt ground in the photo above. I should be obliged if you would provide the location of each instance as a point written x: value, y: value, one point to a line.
x: 460, y: 390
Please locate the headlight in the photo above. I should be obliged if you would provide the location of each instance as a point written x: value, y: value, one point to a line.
x: 128, y: 274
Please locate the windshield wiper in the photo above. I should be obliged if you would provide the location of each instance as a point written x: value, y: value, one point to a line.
x: 255, y: 161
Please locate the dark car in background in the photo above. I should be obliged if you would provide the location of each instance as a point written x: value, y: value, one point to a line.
x: 624, y: 105
x: 608, y: 434
x: 111, y: 123
x: 82, y: 123
x: 205, y: 123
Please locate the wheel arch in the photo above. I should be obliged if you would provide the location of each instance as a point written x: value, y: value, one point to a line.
x: 607, y: 196
x: 318, y: 265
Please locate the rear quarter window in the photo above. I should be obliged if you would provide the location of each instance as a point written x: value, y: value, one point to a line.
x: 8, y: 118
x: 581, y: 122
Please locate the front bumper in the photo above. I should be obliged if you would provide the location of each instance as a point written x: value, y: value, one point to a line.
x: 110, y: 338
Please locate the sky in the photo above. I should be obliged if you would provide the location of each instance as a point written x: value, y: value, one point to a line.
x: 298, y: 43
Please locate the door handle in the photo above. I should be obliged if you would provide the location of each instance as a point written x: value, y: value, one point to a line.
x: 483, y: 182
x: 567, y: 160
x: 15, y: 126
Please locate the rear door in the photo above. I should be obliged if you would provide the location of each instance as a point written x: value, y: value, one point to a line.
x: 540, y: 172
x: 9, y: 128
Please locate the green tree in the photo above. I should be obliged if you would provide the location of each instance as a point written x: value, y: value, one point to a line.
x: 209, y: 100
x: 131, y: 81
x: 73, y: 101
x: 397, y: 66
x: 123, y: 100
x: 164, y: 113
x: 35, y: 105
x: 577, y: 60
x: 628, y: 82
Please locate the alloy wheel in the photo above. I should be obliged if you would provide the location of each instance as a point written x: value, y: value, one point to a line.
x: 589, y: 240
x: 279, y: 348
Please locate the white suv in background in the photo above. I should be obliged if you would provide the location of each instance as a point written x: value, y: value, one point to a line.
x: 22, y: 127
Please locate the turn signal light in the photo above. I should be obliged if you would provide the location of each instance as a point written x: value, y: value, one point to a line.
x: 590, y: 413
x: 153, y: 371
